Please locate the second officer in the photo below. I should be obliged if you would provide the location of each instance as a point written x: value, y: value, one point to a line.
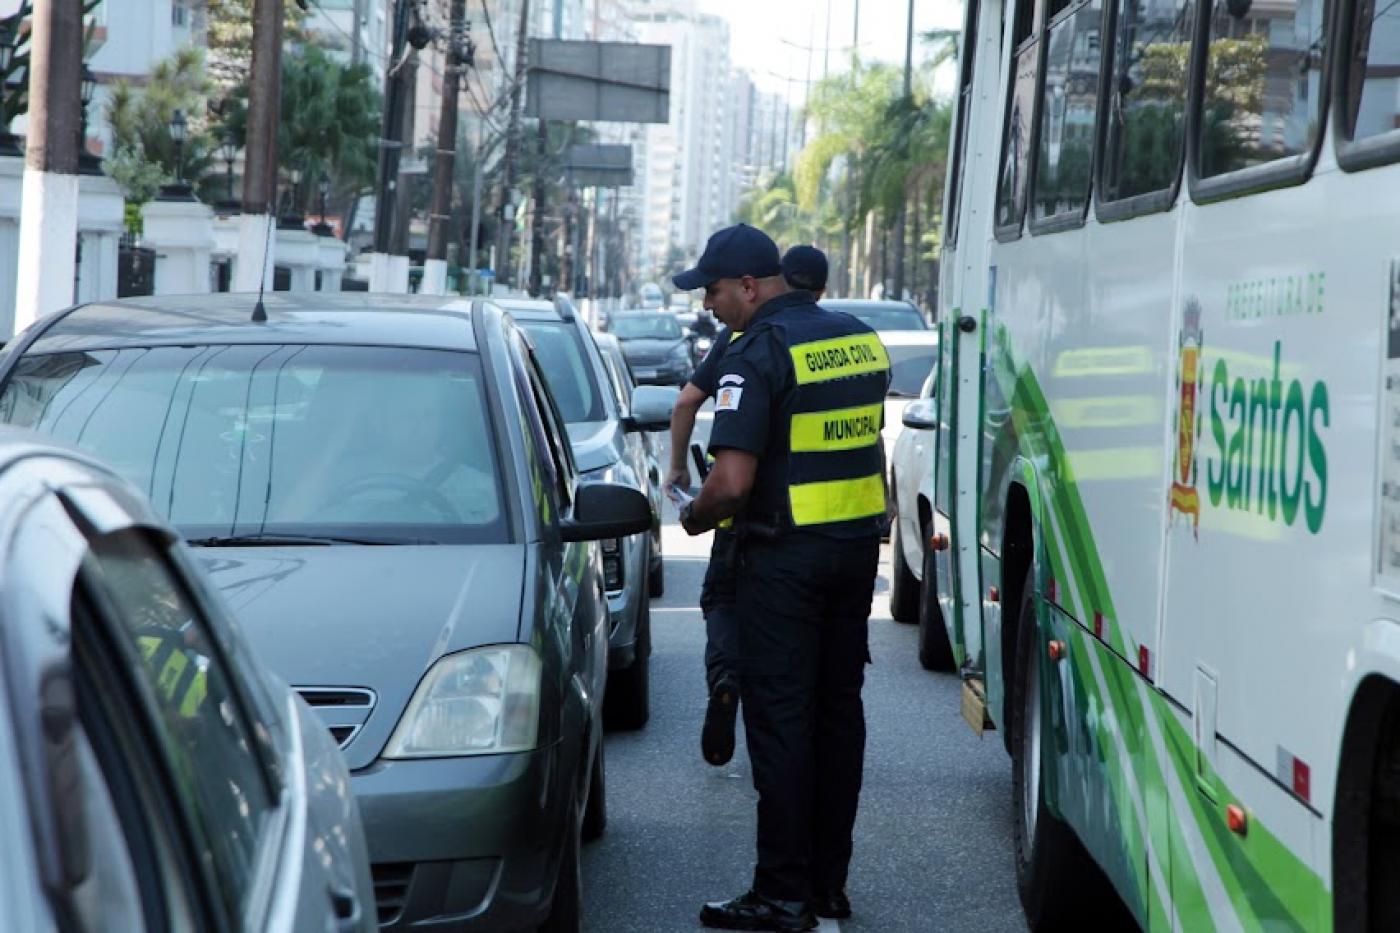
x: 796, y: 439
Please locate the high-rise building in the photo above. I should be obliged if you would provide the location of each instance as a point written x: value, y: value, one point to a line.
x: 353, y: 31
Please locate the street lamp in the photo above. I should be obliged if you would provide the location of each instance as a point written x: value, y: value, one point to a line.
x: 290, y: 216
x: 323, y: 188
x: 88, y: 164
x: 177, y: 190
x: 228, y: 148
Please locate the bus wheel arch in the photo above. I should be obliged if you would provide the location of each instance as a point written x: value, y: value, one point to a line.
x: 1366, y: 815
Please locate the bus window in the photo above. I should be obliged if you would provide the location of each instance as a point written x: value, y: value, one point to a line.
x: 1146, y: 115
x: 968, y: 58
x: 1373, y: 70
x: 1068, y: 109
x: 1262, y: 98
x: 1016, y: 139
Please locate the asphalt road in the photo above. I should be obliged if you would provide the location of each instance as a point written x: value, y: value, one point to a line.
x: 933, y: 837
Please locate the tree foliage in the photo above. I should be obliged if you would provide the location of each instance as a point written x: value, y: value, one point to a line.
x: 230, y: 38
x: 145, y: 155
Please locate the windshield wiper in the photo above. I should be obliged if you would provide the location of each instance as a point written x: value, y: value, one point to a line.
x: 280, y: 540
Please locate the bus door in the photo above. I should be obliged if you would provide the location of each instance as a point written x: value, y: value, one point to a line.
x: 960, y: 385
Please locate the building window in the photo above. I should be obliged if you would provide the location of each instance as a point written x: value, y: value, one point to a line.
x: 179, y: 14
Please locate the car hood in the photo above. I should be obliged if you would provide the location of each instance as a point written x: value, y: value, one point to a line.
x: 596, y: 444
x: 368, y: 617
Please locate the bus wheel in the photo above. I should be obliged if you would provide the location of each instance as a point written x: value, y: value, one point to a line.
x: 1050, y: 861
x: 1366, y: 821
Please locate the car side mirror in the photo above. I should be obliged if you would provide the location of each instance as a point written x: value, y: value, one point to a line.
x: 606, y: 510
x: 920, y: 415
x: 651, y: 408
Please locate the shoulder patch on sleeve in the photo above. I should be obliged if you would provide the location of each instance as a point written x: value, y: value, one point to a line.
x: 728, y: 399
x: 731, y: 379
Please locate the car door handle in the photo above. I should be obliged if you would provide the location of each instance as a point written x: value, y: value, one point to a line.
x: 346, y: 906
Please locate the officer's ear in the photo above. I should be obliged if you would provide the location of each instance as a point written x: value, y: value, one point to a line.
x: 749, y: 285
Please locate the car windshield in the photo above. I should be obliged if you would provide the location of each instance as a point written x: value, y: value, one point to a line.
x: 559, y: 349
x: 887, y: 315
x: 909, y: 367
x: 370, y: 444
x: 645, y: 327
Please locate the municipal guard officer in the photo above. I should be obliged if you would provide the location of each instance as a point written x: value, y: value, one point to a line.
x: 802, y: 267
x: 796, y: 439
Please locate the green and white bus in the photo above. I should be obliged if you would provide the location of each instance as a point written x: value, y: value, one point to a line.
x: 1167, y: 482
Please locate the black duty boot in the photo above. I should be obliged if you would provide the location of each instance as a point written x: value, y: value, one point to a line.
x: 753, y: 911
x: 717, y: 737
x: 833, y: 904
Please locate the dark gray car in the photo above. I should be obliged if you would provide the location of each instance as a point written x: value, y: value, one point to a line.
x: 152, y: 777
x: 383, y: 488
x: 656, y: 346
x: 608, y: 443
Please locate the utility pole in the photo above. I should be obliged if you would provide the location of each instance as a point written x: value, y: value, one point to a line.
x: 389, y: 273
x: 504, y: 273
x: 458, y: 58
x: 847, y: 260
x: 48, y: 226
x: 537, y: 225
x: 255, y: 238
x: 357, y: 52
x: 904, y: 199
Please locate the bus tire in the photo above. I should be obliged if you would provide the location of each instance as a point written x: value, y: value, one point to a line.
x: 935, y: 651
x: 904, y: 588
x: 1050, y: 861
x: 1366, y: 820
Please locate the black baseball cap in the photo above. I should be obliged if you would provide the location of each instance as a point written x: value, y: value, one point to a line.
x: 732, y: 253
x: 805, y: 267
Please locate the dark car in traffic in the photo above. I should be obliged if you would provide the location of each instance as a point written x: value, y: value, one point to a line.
x: 153, y: 776
x: 609, y: 445
x: 880, y: 314
x: 656, y: 346
x: 384, y: 491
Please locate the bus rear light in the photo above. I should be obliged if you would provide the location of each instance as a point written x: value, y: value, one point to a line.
x: 1236, y: 819
x: 1098, y: 624
x: 993, y: 594
x: 1057, y: 650
x: 1144, y: 661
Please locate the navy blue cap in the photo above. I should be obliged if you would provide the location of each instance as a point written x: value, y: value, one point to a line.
x: 805, y: 267
x: 732, y: 253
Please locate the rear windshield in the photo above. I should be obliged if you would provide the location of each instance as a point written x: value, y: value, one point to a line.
x: 656, y: 326
x: 383, y: 444
x: 893, y: 316
x: 909, y: 367
x: 567, y: 368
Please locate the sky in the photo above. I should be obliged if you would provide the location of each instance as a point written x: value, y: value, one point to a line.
x: 758, y: 28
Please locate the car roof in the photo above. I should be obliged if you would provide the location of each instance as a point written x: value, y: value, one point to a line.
x: 361, y: 318
x: 871, y: 303
x: 908, y: 338
x: 534, y: 309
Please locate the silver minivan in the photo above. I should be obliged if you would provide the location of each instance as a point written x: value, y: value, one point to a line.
x: 152, y: 776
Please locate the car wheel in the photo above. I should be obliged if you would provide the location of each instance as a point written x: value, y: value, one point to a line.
x: 628, y: 701
x: 1049, y: 857
x: 595, y: 812
x: 656, y: 576
x: 566, y: 909
x: 904, y: 589
x: 935, y: 651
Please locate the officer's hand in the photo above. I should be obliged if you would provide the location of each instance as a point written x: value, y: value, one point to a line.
x: 678, y: 478
x: 689, y: 523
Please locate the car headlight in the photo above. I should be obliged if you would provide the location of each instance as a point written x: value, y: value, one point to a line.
x: 480, y: 702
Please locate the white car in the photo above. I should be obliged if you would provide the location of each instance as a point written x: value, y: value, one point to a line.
x: 912, y: 594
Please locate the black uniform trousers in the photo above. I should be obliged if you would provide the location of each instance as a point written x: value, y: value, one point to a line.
x: 717, y: 598
x: 803, y: 603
